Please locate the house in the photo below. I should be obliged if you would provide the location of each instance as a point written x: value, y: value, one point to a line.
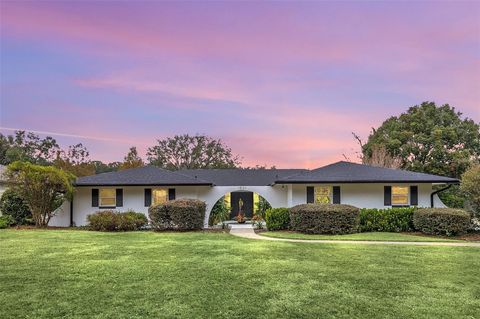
x: 3, y: 180
x: 342, y: 182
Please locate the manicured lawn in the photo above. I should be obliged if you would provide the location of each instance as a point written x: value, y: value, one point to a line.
x: 360, y: 236
x: 81, y: 274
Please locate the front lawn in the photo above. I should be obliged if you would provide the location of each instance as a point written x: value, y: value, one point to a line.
x: 382, y: 236
x: 82, y: 274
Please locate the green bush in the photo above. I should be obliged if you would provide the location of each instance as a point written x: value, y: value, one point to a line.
x: 180, y: 214
x: 220, y: 212
x: 13, y: 205
x: 386, y: 220
x: 6, y: 221
x: 277, y: 218
x: 441, y: 221
x: 325, y: 218
x: 110, y: 220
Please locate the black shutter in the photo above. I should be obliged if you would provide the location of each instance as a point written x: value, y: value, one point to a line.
x: 171, y: 193
x: 413, y: 195
x: 94, y: 197
x: 336, y: 194
x: 119, y: 197
x: 310, y: 194
x: 387, y: 195
x: 148, y: 197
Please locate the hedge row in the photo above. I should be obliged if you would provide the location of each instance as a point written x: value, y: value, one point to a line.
x: 344, y: 219
x: 386, y: 220
x: 180, y: 214
x: 277, y: 218
x: 441, y: 221
x: 110, y: 220
x: 324, y: 218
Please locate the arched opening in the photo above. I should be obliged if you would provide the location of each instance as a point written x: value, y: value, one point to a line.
x: 232, y: 204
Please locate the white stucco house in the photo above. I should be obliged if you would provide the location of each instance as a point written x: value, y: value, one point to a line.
x: 342, y: 182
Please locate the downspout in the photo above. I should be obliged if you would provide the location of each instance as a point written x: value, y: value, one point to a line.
x: 71, y: 212
x: 438, y: 191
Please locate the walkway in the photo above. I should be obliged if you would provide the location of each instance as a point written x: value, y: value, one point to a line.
x: 246, y: 231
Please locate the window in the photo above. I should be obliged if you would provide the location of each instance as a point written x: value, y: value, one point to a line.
x: 159, y: 196
x: 108, y: 197
x: 399, y: 195
x: 322, y: 194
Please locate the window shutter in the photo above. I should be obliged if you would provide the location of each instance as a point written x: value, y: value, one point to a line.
x: 171, y: 193
x: 119, y: 197
x: 94, y: 197
x: 387, y: 195
x: 413, y: 195
x: 148, y: 197
x: 310, y: 196
x: 336, y: 194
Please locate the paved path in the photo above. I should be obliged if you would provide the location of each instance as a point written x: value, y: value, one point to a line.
x: 246, y: 231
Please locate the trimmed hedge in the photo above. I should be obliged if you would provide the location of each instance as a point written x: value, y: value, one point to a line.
x: 180, y: 214
x: 325, y: 218
x: 386, y: 220
x: 277, y: 218
x: 110, y: 220
x: 441, y: 221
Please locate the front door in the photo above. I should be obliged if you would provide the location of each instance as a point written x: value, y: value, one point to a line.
x: 245, y: 199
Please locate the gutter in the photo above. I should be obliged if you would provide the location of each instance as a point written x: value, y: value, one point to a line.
x: 438, y: 191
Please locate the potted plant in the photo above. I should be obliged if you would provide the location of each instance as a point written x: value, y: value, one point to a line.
x: 240, y: 218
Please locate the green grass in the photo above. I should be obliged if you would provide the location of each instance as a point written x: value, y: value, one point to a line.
x: 81, y: 274
x: 359, y: 236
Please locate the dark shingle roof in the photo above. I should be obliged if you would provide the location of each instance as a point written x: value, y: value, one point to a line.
x: 340, y: 172
x: 346, y: 172
x: 148, y: 175
x: 241, y: 177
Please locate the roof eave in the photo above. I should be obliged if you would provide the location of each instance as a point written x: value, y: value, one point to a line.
x: 369, y: 182
x: 141, y: 184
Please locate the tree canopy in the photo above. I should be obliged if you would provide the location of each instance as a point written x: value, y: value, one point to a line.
x: 190, y: 152
x: 132, y: 159
x: 44, y: 188
x: 470, y: 187
x: 429, y: 139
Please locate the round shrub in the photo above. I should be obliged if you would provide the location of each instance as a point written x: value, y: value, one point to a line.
x: 110, y: 220
x: 441, y: 221
x: 277, y: 218
x: 180, y: 214
x: 11, y: 204
x: 131, y: 220
x: 105, y: 220
x: 324, y: 218
x: 6, y: 221
x: 386, y: 220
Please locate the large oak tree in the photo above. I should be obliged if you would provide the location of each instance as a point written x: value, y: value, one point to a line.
x: 190, y: 152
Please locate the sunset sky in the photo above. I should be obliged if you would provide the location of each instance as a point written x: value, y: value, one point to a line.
x: 281, y: 83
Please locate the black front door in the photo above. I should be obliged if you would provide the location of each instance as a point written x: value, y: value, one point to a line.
x: 247, y: 201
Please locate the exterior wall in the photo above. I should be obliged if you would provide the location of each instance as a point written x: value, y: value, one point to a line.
x: 3, y: 188
x: 363, y: 195
x: 360, y: 195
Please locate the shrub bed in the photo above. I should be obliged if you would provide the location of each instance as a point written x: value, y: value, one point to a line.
x: 277, y: 218
x: 441, y: 221
x: 386, y: 220
x: 110, y: 220
x: 180, y: 214
x: 325, y: 218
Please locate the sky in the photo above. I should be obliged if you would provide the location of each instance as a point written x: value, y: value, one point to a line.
x: 281, y: 83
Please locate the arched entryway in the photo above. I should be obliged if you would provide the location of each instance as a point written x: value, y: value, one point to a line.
x: 229, y: 206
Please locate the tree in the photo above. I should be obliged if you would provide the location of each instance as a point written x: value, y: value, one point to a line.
x: 470, y: 187
x: 75, y: 160
x: 378, y: 156
x: 101, y: 167
x: 132, y: 160
x: 44, y: 188
x: 428, y: 139
x: 190, y: 152
x: 27, y: 147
